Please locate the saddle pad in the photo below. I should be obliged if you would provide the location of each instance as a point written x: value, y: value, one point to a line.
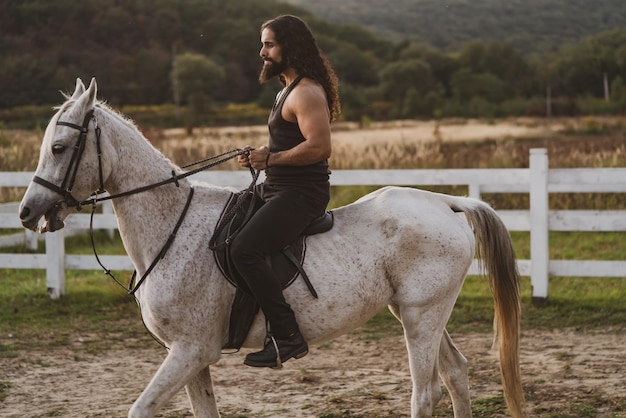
x: 282, y: 265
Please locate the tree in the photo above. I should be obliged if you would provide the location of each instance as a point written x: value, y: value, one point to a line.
x: 618, y: 91
x: 197, y: 78
x: 354, y: 66
x: 400, y: 76
x: 582, y: 67
x: 500, y: 60
x: 442, y: 65
x: 353, y: 102
x: 467, y: 85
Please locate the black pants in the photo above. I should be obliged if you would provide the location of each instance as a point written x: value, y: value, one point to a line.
x: 281, y: 219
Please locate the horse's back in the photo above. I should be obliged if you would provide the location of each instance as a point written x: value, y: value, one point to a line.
x: 406, y: 210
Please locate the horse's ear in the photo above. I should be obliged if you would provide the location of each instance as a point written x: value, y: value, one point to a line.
x: 80, y: 89
x: 87, y: 99
x: 93, y: 91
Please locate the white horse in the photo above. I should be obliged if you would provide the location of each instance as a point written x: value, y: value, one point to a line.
x: 398, y: 247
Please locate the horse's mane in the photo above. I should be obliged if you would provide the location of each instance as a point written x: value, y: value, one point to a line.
x: 130, y: 124
x: 120, y: 117
x: 104, y: 108
x: 99, y: 104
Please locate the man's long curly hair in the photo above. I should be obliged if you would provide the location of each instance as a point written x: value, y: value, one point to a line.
x: 301, y: 52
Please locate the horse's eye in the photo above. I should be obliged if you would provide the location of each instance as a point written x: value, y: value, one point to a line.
x: 57, y: 148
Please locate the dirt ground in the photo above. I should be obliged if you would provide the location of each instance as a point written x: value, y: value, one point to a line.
x: 565, y: 374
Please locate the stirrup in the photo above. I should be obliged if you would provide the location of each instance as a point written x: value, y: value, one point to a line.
x: 279, y: 362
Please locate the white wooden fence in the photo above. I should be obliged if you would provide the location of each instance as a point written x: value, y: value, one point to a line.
x: 537, y: 180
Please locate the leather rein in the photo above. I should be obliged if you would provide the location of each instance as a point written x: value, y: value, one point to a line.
x: 68, y: 200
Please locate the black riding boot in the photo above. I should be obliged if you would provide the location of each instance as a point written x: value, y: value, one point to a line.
x: 284, y: 340
x: 278, y: 350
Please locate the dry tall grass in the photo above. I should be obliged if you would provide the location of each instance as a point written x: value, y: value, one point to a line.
x: 586, y: 142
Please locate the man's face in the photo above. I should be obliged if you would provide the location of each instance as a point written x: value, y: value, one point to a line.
x: 273, y: 63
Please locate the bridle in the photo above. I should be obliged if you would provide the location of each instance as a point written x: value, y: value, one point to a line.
x: 65, y: 189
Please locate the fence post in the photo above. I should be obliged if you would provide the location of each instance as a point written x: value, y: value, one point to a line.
x: 474, y: 190
x: 55, y: 260
x: 107, y: 208
x: 30, y: 240
x: 539, y: 246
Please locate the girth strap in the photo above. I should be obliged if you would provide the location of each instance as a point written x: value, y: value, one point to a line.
x: 289, y: 254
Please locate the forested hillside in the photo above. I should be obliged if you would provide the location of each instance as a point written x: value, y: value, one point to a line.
x: 128, y: 45
x: 203, y: 56
x: 528, y: 25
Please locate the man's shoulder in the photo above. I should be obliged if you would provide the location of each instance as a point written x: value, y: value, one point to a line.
x: 309, y: 89
x: 309, y: 83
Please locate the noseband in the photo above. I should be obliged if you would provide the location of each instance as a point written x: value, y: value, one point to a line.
x: 65, y: 189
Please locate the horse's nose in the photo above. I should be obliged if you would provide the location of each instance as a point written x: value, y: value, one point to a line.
x: 24, y: 213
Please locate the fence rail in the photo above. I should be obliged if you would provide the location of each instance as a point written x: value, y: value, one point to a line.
x: 537, y: 180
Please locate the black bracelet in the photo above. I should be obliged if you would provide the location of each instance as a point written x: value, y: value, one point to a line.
x: 267, y: 160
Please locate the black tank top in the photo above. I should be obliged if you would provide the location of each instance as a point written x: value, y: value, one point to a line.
x: 285, y: 135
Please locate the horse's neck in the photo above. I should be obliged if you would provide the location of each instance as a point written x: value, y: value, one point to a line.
x: 136, y: 162
x: 148, y: 217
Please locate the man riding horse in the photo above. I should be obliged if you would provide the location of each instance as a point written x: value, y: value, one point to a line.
x: 296, y: 190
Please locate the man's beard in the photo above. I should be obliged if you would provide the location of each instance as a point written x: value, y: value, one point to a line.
x: 269, y: 71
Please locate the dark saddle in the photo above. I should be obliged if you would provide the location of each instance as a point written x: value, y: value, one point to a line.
x: 286, y: 264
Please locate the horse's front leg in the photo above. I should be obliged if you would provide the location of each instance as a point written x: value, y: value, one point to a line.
x: 182, y: 364
x: 201, y: 395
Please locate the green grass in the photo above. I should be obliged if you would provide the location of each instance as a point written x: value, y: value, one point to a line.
x: 94, y: 303
x: 576, y: 245
x: 489, y: 407
x: 4, y: 387
x: 579, y: 303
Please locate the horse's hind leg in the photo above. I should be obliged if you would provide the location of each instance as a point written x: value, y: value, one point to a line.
x: 453, y: 372
x: 433, y: 388
x: 422, y: 341
x: 201, y: 395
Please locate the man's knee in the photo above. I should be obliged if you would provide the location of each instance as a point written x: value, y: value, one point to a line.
x: 241, y: 252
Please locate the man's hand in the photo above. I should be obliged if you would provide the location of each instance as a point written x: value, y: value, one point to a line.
x: 258, y: 158
x: 244, y: 158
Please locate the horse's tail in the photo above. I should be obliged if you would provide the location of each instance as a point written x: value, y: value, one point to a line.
x: 495, y: 249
